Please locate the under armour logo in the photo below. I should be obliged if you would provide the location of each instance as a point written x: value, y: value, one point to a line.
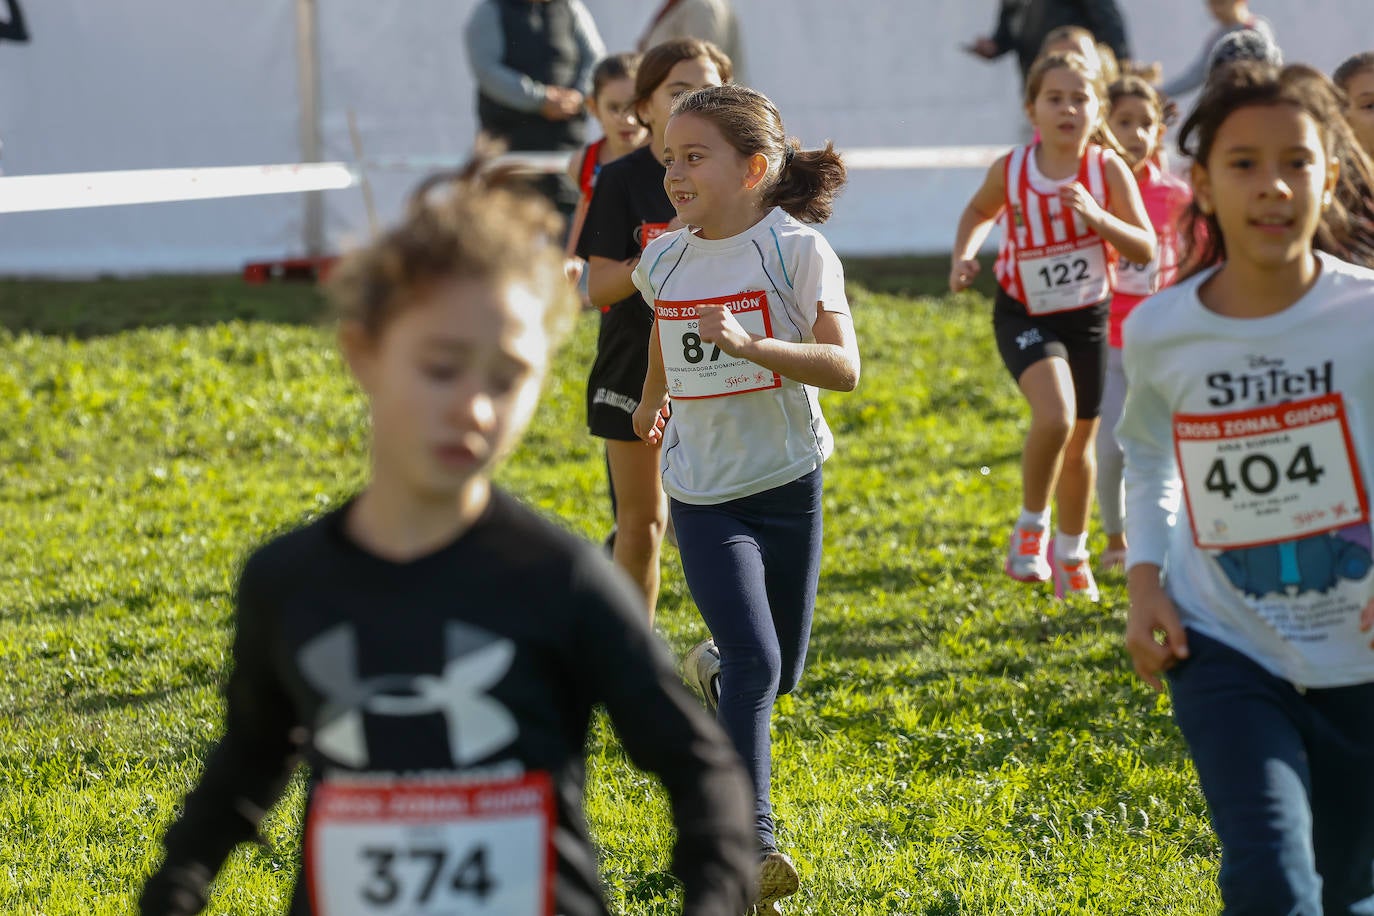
x: 477, y: 724
x: 1029, y: 338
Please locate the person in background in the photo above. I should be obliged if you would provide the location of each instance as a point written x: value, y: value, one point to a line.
x: 1023, y: 25
x: 1137, y: 121
x: 708, y: 20
x: 1355, y: 77
x: 435, y: 650
x: 532, y: 61
x: 1249, y: 438
x: 1231, y: 16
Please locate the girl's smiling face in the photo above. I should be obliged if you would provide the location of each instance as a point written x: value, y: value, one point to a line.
x: 711, y: 185
x: 1267, y: 179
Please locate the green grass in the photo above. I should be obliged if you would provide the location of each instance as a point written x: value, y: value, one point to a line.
x: 960, y: 744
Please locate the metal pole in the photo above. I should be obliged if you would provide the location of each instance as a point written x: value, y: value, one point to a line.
x: 308, y: 75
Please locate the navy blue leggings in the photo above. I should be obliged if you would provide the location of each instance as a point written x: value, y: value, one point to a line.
x: 752, y: 565
x: 1289, y: 781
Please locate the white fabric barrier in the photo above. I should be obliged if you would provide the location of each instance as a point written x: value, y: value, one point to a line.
x: 77, y: 190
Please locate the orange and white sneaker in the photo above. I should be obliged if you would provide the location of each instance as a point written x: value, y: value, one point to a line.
x: 1028, y: 554
x: 1073, y: 578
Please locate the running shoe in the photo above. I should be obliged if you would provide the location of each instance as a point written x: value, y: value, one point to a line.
x: 1073, y: 578
x: 777, y: 879
x: 1027, y: 559
x: 770, y: 909
x: 701, y: 671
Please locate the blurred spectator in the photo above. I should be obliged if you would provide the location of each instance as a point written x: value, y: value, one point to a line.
x: 708, y: 20
x: 533, y: 62
x: 1231, y: 16
x: 13, y: 28
x: 1022, y: 26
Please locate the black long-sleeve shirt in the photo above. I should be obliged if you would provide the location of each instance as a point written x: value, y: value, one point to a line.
x: 484, y: 657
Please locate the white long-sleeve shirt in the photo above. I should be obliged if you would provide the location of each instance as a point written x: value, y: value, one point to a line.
x: 1249, y: 450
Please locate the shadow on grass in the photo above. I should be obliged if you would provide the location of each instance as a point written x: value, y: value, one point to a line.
x: 94, y: 308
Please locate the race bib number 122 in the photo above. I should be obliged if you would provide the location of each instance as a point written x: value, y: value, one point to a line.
x: 425, y: 848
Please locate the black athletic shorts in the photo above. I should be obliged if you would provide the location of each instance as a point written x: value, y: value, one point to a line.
x: 617, y: 377
x: 1079, y: 337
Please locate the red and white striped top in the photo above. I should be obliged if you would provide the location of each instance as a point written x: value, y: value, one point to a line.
x: 1036, y: 225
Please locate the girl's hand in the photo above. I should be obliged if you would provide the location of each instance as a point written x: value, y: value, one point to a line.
x: 649, y: 420
x: 717, y: 325
x: 962, y: 273
x: 1076, y: 197
x: 1153, y: 612
x: 1367, y: 620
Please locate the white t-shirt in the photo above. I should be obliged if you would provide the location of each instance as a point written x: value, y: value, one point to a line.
x: 1249, y: 450
x: 738, y: 429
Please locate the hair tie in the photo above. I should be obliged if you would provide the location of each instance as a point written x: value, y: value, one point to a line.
x: 787, y: 153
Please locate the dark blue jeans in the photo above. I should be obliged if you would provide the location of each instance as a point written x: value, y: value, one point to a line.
x: 752, y: 565
x: 1289, y: 780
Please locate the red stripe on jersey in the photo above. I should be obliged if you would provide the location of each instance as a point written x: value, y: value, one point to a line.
x: 1034, y: 220
x: 590, y: 157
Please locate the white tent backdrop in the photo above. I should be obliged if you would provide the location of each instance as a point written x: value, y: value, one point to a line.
x: 151, y: 84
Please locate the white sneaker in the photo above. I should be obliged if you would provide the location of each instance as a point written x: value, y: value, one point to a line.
x: 777, y: 879
x: 1028, y: 554
x: 701, y: 671
x: 1074, y: 578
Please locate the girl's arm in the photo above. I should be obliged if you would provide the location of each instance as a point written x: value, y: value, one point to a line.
x: 1125, y: 224
x: 580, y: 214
x: 831, y: 361
x: 609, y: 281
x: 975, y: 223
x: 652, y: 412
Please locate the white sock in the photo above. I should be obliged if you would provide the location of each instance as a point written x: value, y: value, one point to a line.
x: 1070, y: 547
x: 1034, y: 520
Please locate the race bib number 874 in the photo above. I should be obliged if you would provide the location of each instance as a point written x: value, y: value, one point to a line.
x: 1269, y: 475
x: 424, y: 848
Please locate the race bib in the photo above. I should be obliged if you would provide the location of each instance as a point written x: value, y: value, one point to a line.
x: 1059, y: 278
x: 1269, y: 475
x: 1138, y: 279
x: 425, y: 848
x: 647, y: 232
x: 696, y: 369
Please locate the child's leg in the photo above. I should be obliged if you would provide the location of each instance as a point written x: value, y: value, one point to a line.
x: 1048, y: 388
x: 1073, y: 495
x: 790, y: 526
x: 1111, y: 497
x: 723, y: 565
x: 1243, y: 728
x: 641, y: 513
x: 1341, y: 749
x: 1086, y: 345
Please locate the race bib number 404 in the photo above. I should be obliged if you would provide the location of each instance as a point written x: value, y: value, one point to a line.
x: 424, y: 848
x: 1269, y: 475
x: 1059, y: 278
x: 696, y: 369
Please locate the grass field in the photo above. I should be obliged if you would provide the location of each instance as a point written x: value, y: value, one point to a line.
x: 961, y: 744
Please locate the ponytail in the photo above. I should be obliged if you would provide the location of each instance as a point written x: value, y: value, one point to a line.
x: 808, y: 182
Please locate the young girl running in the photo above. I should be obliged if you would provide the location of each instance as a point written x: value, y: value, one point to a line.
x: 627, y: 211
x: 612, y: 105
x: 750, y: 319
x: 433, y: 649
x: 1068, y: 204
x: 1355, y: 77
x: 1250, y: 397
x: 1137, y: 122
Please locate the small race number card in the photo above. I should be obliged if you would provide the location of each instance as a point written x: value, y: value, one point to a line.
x: 1269, y: 475
x: 422, y: 847
x: 696, y: 369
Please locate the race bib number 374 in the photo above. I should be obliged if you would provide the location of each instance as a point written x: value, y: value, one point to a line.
x: 424, y: 848
x: 1269, y: 475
